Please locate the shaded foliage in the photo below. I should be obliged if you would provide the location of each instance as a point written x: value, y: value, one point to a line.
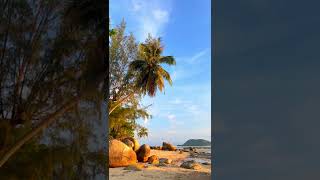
x: 50, y: 53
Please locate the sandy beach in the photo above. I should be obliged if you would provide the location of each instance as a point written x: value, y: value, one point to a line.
x: 172, y: 171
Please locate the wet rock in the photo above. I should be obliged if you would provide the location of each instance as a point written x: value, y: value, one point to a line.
x: 191, y: 165
x: 165, y: 160
x: 161, y: 164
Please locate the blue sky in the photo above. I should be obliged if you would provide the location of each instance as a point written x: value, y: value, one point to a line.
x: 183, y: 111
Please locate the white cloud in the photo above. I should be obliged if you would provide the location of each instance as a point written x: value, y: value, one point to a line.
x: 176, y: 101
x: 198, y: 60
x: 151, y: 17
x: 171, y: 117
x: 161, y: 15
x: 137, y: 5
x: 145, y: 121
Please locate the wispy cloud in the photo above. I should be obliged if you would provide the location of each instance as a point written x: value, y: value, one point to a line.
x: 151, y: 17
x: 198, y: 55
x: 198, y: 60
x: 137, y: 5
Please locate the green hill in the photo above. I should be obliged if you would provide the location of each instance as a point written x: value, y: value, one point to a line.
x: 197, y: 142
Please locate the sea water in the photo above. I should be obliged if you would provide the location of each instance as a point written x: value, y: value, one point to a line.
x: 200, y: 149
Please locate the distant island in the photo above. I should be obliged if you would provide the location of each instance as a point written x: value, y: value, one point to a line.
x: 196, y: 142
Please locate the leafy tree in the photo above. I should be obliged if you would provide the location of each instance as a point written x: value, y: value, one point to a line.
x: 52, y: 70
x: 142, y: 132
x: 122, y: 50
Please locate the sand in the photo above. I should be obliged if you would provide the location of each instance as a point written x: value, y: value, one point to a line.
x: 170, y: 172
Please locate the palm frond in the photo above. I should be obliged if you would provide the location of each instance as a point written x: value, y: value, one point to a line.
x: 138, y: 65
x: 168, y: 60
x: 165, y: 74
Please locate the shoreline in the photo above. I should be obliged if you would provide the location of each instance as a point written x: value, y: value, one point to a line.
x: 169, y: 172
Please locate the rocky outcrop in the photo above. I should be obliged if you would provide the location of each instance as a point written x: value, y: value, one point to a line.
x: 120, y: 155
x: 168, y: 146
x: 143, y: 153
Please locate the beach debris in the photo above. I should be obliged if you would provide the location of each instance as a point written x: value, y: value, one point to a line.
x: 156, y: 147
x: 206, y: 163
x: 134, y: 167
x: 135, y: 142
x: 191, y: 165
x: 143, y: 153
x: 120, y: 155
x: 193, y: 149
x: 168, y: 146
x: 153, y: 159
x: 165, y: 160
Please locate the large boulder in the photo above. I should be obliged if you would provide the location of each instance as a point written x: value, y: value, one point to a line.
x: 120, y: 155
x: 130, y: 141
x: 153, y: 159
x: 168, y: 146
x: 143, y: 153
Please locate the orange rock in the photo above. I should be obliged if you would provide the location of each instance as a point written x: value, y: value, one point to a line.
x: 120, y: 155
x: 143, y: 153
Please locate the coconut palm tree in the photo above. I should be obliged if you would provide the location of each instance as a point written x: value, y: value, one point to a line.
x: 148, y: 71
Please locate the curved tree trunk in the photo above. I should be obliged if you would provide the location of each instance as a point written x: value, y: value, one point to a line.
x: 50, y: 119
x: 120, y: 102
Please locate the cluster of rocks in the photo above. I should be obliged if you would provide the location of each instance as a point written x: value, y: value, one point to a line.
x: 190, y: 149
x: 165, y: 146
x: 127, y: 151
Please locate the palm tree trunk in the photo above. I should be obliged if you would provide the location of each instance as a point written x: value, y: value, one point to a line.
x: 120, y: 102
x: 50, y: 119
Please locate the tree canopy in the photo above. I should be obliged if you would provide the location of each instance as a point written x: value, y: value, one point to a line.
x: 51, y: 78
x: 135, y: 71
